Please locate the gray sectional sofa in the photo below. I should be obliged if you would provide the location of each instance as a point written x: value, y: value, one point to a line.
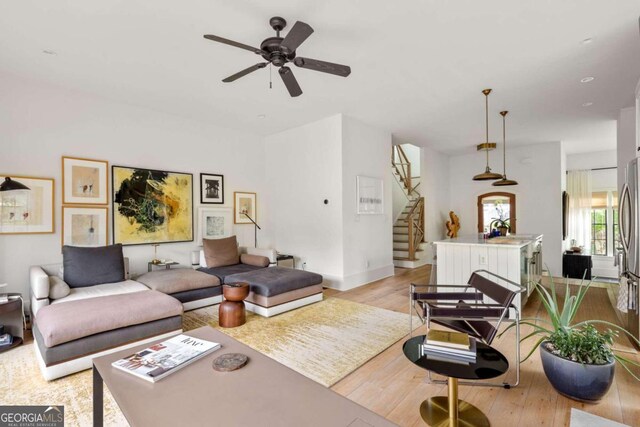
x: 89, y: 306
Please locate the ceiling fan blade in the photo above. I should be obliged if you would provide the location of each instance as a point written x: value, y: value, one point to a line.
x: 323, y: 66
x: 244, y: 72
x: 298, y: 34
x: 290, y: 81
x: 232, y: 43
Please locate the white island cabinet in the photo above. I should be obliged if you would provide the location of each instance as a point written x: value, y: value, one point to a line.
x: 515, y: 257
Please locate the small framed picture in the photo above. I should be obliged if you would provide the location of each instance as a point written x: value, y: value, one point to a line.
x: 244, y: 207
x: 27, y: 211
x: 214, y: 223
x: 369, y: 196
x: 84, y: 181
x: 85, y: 226
x: 211, y: 189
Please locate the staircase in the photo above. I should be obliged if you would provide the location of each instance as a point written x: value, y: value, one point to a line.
x: 408, y: 230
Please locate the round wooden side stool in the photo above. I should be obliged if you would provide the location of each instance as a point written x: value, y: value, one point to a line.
x: 231, y: 312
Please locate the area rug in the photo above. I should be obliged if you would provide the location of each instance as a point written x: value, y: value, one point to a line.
x: 324, y: 341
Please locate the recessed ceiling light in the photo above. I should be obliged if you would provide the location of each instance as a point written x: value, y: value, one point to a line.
x: 587, y: 104
x: 587, y: 41
x: 262, y: 116
x: 587, y: 79
x: 49, y: 52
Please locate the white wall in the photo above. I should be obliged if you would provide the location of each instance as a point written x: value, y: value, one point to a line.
x: 414, y: 155
x: 304, y: 167
x: 538, y: 170
x: 367, y: 239
x: 320, y: 161
x: 435, y: 188
x: 39, y: 124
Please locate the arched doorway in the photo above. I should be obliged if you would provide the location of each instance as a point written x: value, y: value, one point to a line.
x: 493, y: 205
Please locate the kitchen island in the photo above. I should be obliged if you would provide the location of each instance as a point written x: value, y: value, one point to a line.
x: 517, y: 257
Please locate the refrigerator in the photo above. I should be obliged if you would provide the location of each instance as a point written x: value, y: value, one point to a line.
x: 629, y: 265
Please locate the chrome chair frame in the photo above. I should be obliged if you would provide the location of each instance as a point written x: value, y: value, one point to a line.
x: 474, y: 299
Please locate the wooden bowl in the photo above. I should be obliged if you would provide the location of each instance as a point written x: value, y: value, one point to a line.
x: 235, y: 291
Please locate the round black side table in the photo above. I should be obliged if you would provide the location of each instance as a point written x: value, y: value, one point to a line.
x: 449, y: 410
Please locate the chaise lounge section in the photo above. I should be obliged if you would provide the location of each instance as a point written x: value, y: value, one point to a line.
x: 272, y: 290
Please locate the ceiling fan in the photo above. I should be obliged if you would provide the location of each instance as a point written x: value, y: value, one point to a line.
x: 279, y: 51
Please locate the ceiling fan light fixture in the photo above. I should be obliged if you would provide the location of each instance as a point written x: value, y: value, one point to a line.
x: 504, y: 181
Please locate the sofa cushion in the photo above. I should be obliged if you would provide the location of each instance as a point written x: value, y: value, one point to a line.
x: 223, y: 272
x: 125, y: 287
x: 60, y: 323
x: 92, y: 266
x: 275, y: 280
x: 58, y: 288
x: 177, y: 280
x: 221, y: 252
x: 255, y: 260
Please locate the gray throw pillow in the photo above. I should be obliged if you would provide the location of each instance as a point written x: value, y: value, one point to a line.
x: 92, y: 266
x: 58, y: 288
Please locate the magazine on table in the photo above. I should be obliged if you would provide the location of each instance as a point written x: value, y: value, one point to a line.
x: 159, y: 360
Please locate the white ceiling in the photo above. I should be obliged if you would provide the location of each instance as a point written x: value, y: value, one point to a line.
x: 418, y: 67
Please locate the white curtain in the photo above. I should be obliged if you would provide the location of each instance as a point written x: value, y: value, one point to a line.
x: 579, y: 189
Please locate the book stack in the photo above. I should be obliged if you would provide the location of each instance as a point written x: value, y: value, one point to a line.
x: 449, y: 346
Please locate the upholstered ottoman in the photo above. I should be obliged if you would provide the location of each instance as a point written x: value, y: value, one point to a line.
x: 276, y: 290
x: 69, y: 334
x: 192, y: 288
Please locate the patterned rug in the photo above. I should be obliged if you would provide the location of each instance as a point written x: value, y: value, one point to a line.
x: 324, y: 341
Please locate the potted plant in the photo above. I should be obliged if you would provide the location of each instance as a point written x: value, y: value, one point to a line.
x: 502, y: 225
x: 576, y: 357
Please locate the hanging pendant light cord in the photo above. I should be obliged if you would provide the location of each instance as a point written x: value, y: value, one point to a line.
x: 486, y: 113
x: 504, y: 147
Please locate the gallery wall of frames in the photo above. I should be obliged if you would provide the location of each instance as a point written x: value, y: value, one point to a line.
x: 148, y: 206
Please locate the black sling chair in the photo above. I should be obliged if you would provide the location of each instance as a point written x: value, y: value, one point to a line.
x: 465, y: 311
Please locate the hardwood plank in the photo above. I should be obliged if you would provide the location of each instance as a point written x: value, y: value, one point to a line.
x: 393, y: 387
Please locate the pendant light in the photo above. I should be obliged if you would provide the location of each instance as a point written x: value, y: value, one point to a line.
x: 504, y: 180
x: 487, y: 174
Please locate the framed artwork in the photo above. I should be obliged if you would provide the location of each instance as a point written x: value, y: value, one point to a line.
x: 84, y: 181
x: 244, y: 203
x: 151, y: 206
x: 211, y: 189
x: 214, y: 223
x: 85, y: 226
x: 27, y: 211
x: 369, y: 195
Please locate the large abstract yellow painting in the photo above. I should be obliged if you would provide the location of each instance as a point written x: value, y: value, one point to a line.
x: 151, y: 206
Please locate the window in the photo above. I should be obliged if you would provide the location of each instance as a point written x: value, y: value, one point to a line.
x: 605, y: 233
x: 496, y: 205
x: 599, y: 231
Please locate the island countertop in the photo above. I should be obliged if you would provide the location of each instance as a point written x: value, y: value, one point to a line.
x: 514, y: 240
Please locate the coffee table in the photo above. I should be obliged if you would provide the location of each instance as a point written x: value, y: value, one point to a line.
x: 263, y: 393
x: 449, y: 410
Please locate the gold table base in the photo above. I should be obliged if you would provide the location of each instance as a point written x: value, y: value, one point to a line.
x: 441, y: 411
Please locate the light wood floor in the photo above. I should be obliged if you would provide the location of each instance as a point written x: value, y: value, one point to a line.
x: 393, y: 387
